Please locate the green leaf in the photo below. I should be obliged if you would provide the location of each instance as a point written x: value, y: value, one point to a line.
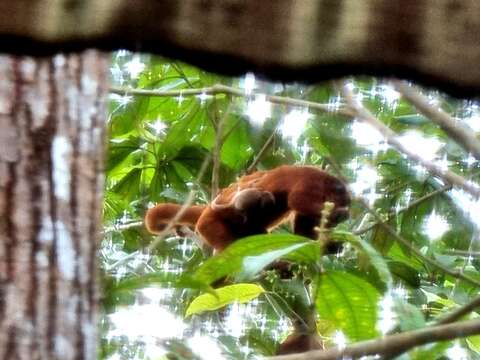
x: 226, y: 295
x: 396, y: 253
x: 349, y: 302
x: 129, y: 185
x: 162, y: 279
x: 405, y: 272
x: 255, y: 250
x: 474, y: 343
x: 252, y: 265
x: 373, y: 256
x: 409, y: 316
x: 433, y: 351
x: 412, y: 119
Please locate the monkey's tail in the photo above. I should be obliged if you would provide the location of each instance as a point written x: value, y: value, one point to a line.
x: 161, y: 215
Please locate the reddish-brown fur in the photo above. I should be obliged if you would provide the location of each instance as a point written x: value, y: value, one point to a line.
x: 159, y: 216
x: 298, y: 343
x: 239, y: 211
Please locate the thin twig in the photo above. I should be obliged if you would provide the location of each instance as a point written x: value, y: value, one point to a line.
x: 457, y: 131
x: 123, y: 227
x: 459, y: 312
x: 463, y: 253
x: 217, y: 151
x: 413, y: 249
x: 401, y: 239
x: 393, y: 344
x: 122, y: 260
x: 262, y: 151
x: 219, y: 89
x: 230, y: 131
x: 408, y: 207
x: 365, y: 115
x: 182, y: 210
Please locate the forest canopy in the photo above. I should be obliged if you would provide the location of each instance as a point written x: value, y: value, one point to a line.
x: 408, y: 155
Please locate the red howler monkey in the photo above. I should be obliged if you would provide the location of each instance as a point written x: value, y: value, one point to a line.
x: 259, y: 202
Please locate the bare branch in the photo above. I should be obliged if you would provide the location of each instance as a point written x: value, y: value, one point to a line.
x: 460, y: 133
x: 413, y: 249
x: 219, y: 141
x: 464, y: 253
x: 393, y: 344
x: 123, y: 227
x: 182, y: 210
x: 262, y: 151
x: 401, y: 239
x: 365, y: 115
x: 228, y: 90
x: 459, y: 312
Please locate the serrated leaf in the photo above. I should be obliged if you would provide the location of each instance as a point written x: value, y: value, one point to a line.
x: 226, y: 295
x: 349, y: 302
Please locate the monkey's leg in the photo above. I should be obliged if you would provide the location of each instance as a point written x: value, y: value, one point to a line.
x: 214, y: 231
x: 304, y: 225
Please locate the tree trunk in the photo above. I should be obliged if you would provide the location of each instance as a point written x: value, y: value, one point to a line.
x: 52, y: 121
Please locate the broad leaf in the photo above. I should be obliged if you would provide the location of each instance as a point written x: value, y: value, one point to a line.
x: 226, y: 295
x: 409, y: 316
x: 349, y: 302
x: 253, y: 253
x: 374, y: 258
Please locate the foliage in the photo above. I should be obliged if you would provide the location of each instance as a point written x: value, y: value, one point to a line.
x: 157, y: 147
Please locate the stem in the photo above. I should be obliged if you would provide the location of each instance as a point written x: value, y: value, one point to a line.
x: 408, y: 207
x: 262, y: 151
x: 459, y: 312
x: 365, y: 115
x: 220, y: 89
x: 123, y: 227
x: 457, y: 131
x: 392, y: 345
x: 464, y: 253
x: 182, y: 210
x: 413, y: 249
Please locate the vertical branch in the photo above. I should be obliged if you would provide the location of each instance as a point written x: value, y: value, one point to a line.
x: 217, y: 151
x: 262, y: 151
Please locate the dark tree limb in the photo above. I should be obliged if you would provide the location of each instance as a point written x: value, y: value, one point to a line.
x: 393, y: 344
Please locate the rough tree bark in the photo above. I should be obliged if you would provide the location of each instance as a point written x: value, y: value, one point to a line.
x: 52, y: 117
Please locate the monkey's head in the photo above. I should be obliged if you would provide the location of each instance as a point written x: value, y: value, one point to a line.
x: 337, y: 193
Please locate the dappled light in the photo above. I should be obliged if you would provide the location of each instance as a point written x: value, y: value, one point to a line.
x: 410, y: 249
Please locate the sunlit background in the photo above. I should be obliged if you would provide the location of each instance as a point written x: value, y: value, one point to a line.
x: 145, y: 320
